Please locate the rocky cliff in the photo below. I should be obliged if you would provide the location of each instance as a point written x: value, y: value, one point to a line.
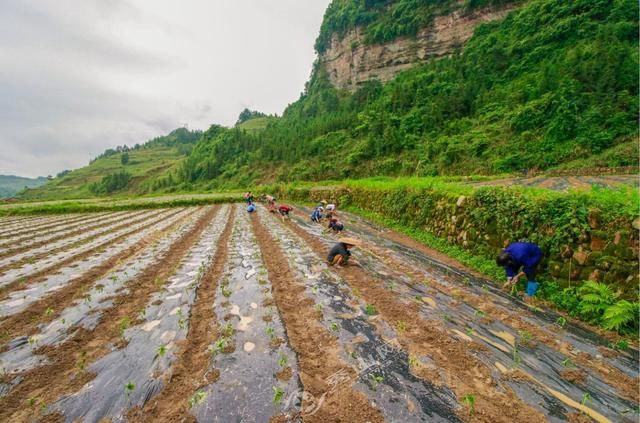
x: 350, y: 62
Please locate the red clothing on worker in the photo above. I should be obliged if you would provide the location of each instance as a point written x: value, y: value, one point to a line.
x: 284, y: 208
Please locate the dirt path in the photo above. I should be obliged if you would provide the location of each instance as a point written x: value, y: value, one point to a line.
x: 313, y: 344
x: 60, y: 375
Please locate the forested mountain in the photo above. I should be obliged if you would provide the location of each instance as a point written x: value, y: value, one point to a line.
x: 421, y: 87
x: 554, y: 84
x: 10, y: 185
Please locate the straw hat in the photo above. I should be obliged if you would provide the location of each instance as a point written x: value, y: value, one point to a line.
x: 350, y: 241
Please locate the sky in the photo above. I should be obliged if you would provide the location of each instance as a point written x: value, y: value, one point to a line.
x: 80, y: 76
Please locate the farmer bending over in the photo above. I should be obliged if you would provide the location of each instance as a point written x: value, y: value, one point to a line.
x: 284, y: 210
x: 251, y: 208
x: 339, y: 254
x: 271, y: 203
x: 335, y: 225
x: 523, y: 255
x: 316, y: 215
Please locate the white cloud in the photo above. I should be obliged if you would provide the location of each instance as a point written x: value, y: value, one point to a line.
x: 77, y: 77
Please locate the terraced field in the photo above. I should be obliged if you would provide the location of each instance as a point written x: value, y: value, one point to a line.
x: 212, y: 314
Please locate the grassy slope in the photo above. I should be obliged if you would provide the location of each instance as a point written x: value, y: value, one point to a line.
x: 143, y: 164
x: 255, y: 125
x: 10, y: 185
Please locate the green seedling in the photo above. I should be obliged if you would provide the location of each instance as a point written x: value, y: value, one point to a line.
x: 125, y: 324
x: 179, y: 312
x: 413, y: 361
x: 129, y: 388
x: 142, y: 313
x: 485, y: 288
x: 561, y: 321
x: 282, y: 360
x: 525, y: 336
x: 32, y: 401
x: 33, y: 341
x: 48, y: 312
x: 370, y: 310
x: 218, y: 346
x: 100, y: 289
x: 197, y: 399
x: 82, y: 361
x: 226, y: 291
x: 568, y: 363
x: 401, y: 326
x: 262, y: 282
x: 270, y: 331
x: 334, y: 326
x: 470, y: 401
x: 418, y: 299
x: 353, y: 354
x: 425, y: 282
x: 516, y: 356
x: 621, y: 344
x: 466, y: 281
x: 182, y: 323
x: 479, y: 313
x: 470, y: 331
x: 356, y: 292
x: 376, y: 379
x: 314, y: 290
x: 87, y: 298
x: 227, y: 330
x: 447, y: 317
x: 162, y: 350
x: 319, y: 307
x: 113, y: 278
x: 586, y: 398
x: 278, y: 394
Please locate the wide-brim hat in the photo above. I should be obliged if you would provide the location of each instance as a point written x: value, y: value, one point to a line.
x: 350, y: 241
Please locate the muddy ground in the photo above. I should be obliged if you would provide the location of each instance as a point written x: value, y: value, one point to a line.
x: 212, y: 314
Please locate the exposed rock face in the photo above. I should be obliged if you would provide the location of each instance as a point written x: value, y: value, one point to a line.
x: 349, y: 62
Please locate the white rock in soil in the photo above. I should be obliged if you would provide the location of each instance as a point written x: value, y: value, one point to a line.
x: 244, y: 322
x: 150, y: 325
x: 235, y: 310
x: 174, y: 311
x: 168, y: 336
x: 254, y: 306
x: 250, y: 273
x: 249, y: 346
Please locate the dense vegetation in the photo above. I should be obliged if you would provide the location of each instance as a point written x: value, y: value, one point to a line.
x: 385, y: 20
x: 473, y: 225
x: 111, y: 183
x: 552, y: 85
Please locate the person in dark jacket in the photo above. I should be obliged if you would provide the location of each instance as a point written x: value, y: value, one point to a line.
x: 340, y: 254
x: 521, y: 255
x: 335, y: 225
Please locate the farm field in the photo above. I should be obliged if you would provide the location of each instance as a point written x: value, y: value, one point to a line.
x: 211, y: 314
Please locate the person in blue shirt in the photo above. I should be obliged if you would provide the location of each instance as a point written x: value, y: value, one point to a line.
x: 317, y: 214
x: 251, y: 208
x: 521, y: 255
